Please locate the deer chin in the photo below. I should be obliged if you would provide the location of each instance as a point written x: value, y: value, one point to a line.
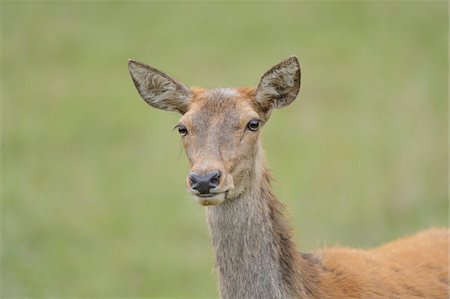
x: 210, y: 199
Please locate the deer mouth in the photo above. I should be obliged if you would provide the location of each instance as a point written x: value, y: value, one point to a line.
x: 207, y: 195
x: 210, y: 199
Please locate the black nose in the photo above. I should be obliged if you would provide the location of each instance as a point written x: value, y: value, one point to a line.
x: 204, y: 183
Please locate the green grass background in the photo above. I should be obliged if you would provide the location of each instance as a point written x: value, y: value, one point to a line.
x: 93, y: 196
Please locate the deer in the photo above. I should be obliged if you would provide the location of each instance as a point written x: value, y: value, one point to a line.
x: 255, y: 255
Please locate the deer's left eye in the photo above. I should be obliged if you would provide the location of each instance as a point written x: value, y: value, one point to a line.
x: 253, y: 125
x: 182, y: 130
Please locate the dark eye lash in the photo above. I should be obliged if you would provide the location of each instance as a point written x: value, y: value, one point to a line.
x: 254, y: 125
x: 181, y: 129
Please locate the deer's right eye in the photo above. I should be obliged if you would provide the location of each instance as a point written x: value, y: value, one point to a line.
x: 182, y: 130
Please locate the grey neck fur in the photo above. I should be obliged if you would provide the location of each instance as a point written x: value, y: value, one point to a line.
x: 246, y: 256
x: 255, y: 257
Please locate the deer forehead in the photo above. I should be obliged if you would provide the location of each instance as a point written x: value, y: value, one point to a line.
x: 223, y: 107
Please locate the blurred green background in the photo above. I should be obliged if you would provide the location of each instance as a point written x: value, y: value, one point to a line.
x: 93, y: 195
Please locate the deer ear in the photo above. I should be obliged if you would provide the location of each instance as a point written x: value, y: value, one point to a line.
x: 280, y: 85
x: 158, y: 89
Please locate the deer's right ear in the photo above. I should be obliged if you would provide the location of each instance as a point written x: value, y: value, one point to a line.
x: 159, y: 90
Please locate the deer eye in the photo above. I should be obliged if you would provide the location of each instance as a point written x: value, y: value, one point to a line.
x: 182, y: 130
x: 253, y: 125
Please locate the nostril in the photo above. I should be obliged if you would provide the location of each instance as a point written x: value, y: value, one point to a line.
x: 192, y: 180
x: 215, y: 178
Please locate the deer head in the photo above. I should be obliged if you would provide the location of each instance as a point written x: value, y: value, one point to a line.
x: 220, y: 127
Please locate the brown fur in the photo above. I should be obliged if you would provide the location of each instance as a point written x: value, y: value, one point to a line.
x: 255, y: 253
x: 412, y: 267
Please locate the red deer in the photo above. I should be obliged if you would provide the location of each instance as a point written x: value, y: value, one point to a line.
x: 254, y: 251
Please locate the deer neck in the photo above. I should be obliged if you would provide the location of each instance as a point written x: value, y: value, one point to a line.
x: 255, y: 256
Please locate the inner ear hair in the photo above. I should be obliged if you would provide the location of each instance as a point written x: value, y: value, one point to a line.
x: 158, y: 89
x: 280, y: 85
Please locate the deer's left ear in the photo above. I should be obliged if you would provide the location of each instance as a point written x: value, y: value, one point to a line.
x: 158, y: 89
x: 280, y: 85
